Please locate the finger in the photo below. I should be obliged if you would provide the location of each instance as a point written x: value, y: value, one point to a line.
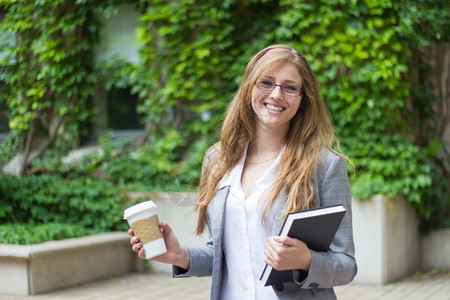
x: 142, y: 253
x: 271, y: 259
x: 130, y: 232
x: 272, y: 248
x: 273, y: 243
x: 134, y: 240
x: 270, y: 252
x: 268, y: 256
x: 137, y: 247
x: 285, y: 240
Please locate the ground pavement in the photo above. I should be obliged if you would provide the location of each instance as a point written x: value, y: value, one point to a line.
x: 142, y: 286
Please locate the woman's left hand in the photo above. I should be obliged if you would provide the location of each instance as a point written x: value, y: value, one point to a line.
x: 285, y: 253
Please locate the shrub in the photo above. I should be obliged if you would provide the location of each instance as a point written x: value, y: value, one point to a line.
x: 81, y: 205
x: 26, y: 234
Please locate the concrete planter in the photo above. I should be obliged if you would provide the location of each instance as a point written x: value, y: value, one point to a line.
x: 436, y: 250
x: 387, y: 240
x: 40, y: 268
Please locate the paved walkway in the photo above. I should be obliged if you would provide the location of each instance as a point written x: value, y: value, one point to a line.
x: 163, y: 287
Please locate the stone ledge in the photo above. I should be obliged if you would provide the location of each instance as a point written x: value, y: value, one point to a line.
x: 40, y: 268
x: 27, y: 251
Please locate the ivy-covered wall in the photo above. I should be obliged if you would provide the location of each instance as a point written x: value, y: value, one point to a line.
x: 370, y: 57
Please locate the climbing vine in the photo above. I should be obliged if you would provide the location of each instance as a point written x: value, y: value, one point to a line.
x: 367, y: 54
x: 48, y: 69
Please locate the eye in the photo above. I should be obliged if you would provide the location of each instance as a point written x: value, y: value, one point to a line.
x: 266, y: 83
x: 291, y: 88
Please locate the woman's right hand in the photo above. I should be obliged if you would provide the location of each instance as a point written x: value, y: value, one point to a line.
x: 177, y: 254
x: 136, y: 244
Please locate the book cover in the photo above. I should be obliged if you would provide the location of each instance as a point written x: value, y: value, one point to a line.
x: 315, y: 227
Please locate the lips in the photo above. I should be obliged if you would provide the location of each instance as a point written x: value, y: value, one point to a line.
x: 274, y: 107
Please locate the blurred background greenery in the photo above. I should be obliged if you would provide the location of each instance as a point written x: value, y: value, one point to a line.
x: 382, y: 65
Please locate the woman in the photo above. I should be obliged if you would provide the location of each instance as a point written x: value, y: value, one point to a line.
x: 274, y: 157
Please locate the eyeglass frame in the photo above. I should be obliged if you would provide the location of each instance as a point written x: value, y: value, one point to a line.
x: 274, y: 86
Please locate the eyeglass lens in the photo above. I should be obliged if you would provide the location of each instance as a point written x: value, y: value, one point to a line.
x: 286, y: 89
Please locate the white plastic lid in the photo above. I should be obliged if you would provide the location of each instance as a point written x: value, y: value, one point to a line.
x: 138, y: 208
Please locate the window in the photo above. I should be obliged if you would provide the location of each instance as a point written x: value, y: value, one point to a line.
x: 122, y: 113
x: 116, y: 109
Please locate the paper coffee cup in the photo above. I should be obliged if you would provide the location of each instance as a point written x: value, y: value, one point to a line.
x: 143, y: 220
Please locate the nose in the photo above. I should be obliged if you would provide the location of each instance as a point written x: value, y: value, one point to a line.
x: 276, y: 92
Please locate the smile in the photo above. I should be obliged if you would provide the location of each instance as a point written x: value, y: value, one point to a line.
x: 274, y: 107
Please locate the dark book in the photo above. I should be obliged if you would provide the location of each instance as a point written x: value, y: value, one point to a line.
x: 315, y: 227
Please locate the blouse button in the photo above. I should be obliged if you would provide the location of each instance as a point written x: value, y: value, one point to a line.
x: 279, y: 287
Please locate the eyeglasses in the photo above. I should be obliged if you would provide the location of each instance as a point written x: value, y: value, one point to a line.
x: 287, y: 89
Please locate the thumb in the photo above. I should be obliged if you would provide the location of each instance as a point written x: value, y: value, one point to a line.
x: 166, y: 229
x: 285, y: 240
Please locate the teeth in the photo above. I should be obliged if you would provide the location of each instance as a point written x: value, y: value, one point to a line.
x: 273, y: 107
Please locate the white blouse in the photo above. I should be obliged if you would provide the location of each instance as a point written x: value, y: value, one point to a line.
x: 245, y: 237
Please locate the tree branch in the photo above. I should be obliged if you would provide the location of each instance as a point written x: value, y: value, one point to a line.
x: 29, y: 142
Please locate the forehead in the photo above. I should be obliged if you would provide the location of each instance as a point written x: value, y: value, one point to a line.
x: 283, y: 72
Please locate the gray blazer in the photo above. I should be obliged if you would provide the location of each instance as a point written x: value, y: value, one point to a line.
x: 327, y: 269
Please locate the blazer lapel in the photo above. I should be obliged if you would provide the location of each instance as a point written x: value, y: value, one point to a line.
x: 279, y: 211
x: 217, y: 224
x: 218, y: 213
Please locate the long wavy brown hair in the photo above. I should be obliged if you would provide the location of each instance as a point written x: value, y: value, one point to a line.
x: 310, y: 132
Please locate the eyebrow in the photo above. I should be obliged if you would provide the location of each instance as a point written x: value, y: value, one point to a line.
x: 286, y: 81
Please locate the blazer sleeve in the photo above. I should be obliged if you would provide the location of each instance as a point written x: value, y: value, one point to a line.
x: 337, y: 266
x: 201, y: 262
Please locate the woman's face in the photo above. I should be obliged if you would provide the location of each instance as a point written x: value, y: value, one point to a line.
x: 274, y: 110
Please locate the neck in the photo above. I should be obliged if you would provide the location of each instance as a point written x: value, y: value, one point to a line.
x: 269, y: 139
x: 266, y: 145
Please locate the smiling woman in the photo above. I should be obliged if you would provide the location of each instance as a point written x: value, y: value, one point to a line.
x: 275, y: 156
